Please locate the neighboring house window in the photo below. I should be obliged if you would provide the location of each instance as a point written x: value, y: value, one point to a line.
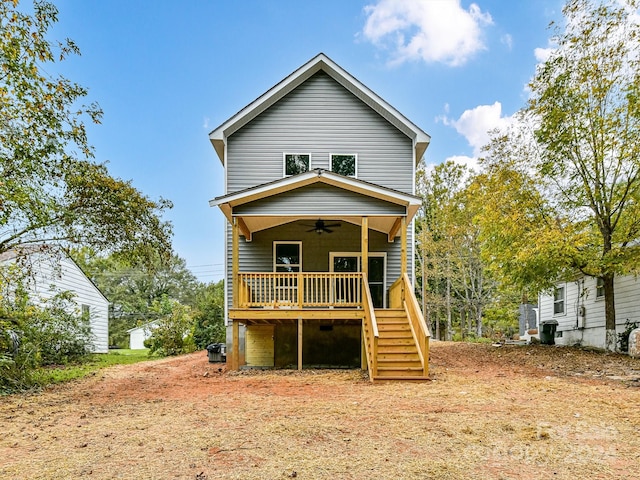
x: 599, y: 288
x: 295, y: 163
x: 287, y: 256
x: 86, y: 312
x: 559, y: 301
x: 344, y: 164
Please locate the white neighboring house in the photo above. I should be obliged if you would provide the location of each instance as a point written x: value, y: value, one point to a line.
x: 53, y: 275
x: 578, y: 307
x: 138, y: 335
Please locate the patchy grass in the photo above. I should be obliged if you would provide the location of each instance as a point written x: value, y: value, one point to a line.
x: 53, y: 374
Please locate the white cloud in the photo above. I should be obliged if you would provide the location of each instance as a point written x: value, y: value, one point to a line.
x: 470, y: 162
x: 475, y: 124
x: 507, y: 40
x: 542, y: 54
x: 205, y: 123
x: 428, y: 30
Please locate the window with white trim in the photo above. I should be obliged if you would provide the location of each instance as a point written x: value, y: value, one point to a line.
x: 559, y: 300
x: 295, y: 163
x: 287, y: 256
x: 344, y: 164
x: 599, y: 288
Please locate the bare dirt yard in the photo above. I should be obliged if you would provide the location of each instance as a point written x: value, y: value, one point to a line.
x: 534, y: 412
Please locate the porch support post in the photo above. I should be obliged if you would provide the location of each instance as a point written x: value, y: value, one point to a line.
x: 235, y: 345
x: 364, y: 267
x: 403, y: 246
x: 364, y: 248
x: 235, y: 261
x: 299, y: 343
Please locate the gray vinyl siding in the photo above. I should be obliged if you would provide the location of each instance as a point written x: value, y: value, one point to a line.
x: 257, y: 255
x: 321, y: 200
x: 627, y: 302
x: 319, y: 117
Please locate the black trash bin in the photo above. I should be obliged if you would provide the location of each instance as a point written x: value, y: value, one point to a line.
x: 548, y: 332
x: 217, y: 352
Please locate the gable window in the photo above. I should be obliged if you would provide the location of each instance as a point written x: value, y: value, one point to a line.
x: 287, y: 256
x: 559, y: 301
x: 599, y: 288
x: 344, y: 164
x: 295, y: 163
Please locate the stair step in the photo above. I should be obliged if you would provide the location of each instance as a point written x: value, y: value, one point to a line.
x: 394, y: 352
x: 399, y: 371
x: 390, y: 312
x: 402, y: 378
x: 394, y: 327
x: 397, y: 350
x: 393, y: 342
x: 388, y: 334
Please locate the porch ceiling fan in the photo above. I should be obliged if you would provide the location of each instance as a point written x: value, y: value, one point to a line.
x: 321, y: 227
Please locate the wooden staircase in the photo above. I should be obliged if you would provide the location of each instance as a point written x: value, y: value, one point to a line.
x: 397, y: 357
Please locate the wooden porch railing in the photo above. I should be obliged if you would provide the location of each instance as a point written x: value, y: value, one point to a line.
x: 370, y: 333
x: 401, y: 295
x: 299, y: 290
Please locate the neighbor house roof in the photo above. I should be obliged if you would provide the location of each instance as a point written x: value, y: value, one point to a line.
x: 319, y: 63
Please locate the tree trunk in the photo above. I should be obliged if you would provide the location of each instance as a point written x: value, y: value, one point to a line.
x: 479, y: 322
x: 448, y: 333
x: 611, y: 339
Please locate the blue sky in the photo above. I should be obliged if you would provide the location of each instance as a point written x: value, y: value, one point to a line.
x: 166, y: 73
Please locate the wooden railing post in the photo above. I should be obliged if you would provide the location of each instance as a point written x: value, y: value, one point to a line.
x: 235, y: 261
x: 300, y: 290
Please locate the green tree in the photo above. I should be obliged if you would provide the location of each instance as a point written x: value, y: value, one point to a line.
x: 209, y: 314
x: 574, y: 158
x: 452, y: 275
x: 132, y: 289
x: 51, y: 190
x: 173, y: 334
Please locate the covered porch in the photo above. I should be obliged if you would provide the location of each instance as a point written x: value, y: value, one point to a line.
x: 349, y: 282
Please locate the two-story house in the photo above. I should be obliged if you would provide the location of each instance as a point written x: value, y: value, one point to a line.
x: 319, y: 197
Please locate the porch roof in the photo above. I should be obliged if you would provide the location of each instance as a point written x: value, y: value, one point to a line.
x: 218, y: 137
x: 385, y: 222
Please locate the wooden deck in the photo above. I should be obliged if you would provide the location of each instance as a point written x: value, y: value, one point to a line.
x: 395, y: 341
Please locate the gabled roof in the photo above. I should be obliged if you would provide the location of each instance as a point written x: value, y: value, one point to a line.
x: 228, y: 202
x: 319, y: 63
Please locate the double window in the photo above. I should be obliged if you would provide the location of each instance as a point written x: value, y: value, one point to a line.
x: 295, y: 163
x: 344, y: 164
x: 559, y: 300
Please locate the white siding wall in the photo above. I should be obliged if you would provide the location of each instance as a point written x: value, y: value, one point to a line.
x: 627, y: 301
x: 51, y: 278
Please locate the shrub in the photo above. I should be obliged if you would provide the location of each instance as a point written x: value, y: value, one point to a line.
x: 174, y: 332
x: 32, y: 336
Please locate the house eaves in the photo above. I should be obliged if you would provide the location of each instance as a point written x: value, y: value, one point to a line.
x: 228, y: 202
x: 320, y: 62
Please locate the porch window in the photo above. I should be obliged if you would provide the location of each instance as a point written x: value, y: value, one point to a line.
x: 287, y: 256
x: 344, y: 164
x: 559, y: 300
x: 295, y: 163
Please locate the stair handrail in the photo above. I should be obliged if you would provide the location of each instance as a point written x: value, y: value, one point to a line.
x: 402, y: 296
x: 369, y: 329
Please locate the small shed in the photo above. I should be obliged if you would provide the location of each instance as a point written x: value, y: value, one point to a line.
x: 138, y: 335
